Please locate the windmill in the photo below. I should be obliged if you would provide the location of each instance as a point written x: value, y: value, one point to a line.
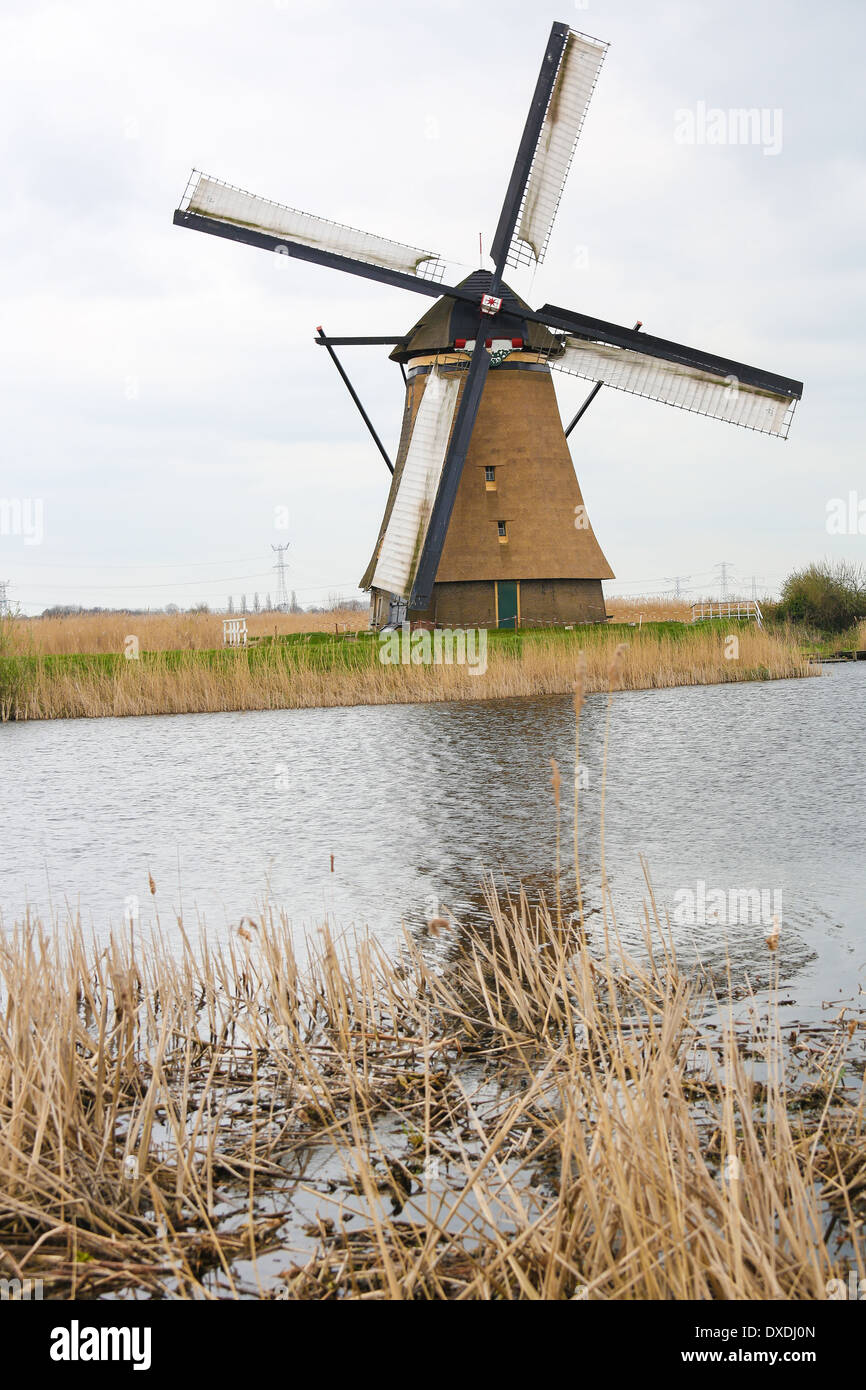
x: 484, y: 522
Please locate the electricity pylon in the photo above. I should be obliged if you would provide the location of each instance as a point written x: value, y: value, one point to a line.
x: 280, y: 567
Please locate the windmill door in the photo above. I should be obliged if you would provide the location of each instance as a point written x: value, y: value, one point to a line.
x: 507, y: 603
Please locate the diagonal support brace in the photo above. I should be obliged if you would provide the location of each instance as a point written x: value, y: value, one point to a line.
x: 592, y: 395
x: 325, y: 342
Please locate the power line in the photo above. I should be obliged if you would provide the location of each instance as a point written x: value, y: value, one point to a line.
x: 658, y: 579
x: 162, y: 584
x: 143, y: 565
x: 310, y: 589
x: 676, y: 581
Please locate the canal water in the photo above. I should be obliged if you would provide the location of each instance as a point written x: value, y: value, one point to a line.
x: 743, y: 800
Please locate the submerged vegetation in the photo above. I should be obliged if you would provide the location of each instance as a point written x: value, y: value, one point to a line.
x: 325, y: 669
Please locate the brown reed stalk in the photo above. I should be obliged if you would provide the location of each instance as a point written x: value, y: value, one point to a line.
x: 543, y: 663
x: 579, y: 697
x: 172, y: 1111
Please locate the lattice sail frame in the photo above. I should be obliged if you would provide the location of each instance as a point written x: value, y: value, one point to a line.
x: 223, y: 202
x: 572, y: 91
x: 406, y: 531
x: 674, y: 383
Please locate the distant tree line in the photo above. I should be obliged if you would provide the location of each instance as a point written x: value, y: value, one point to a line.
x: 74, y: 610
x: 335, y: 602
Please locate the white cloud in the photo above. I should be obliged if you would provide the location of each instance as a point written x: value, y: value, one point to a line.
x: 163, y: 391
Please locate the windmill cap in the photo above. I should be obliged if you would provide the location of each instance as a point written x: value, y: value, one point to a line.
x: 451, y: 319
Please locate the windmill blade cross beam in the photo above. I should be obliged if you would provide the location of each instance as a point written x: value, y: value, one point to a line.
x: 676, y: 375
x: 501, y: 243
x: 616, y: 335
x: 270, y: 241
x: 275, y: 241
x: 221, y: 209
x: 458, y: 447
x: 569, y: 72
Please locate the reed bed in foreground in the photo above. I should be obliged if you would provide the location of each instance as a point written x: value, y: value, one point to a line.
x: 346, y: 672
x: 523, y: 1112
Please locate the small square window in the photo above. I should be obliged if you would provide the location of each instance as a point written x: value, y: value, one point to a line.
x: 489, y: 474
x: 502, y: 528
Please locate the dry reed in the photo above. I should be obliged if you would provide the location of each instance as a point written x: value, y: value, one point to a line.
x: 530, y: 1118
x: 536, y: 664
x: 651, y: 608
x: 107, y: 632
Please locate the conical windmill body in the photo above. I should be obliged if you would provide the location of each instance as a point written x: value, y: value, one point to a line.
x: 519, y: 547
x: 484, y: 522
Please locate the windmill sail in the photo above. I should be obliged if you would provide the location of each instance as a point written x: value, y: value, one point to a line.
x: 722, y: 396
x: 452, y: 469
x: 572, y: 89
x: 221, y: 203
x: 406, y: 531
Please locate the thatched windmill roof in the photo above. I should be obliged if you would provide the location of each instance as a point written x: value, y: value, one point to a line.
x: 448, y: 319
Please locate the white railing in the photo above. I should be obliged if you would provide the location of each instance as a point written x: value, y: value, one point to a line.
x: 747, y: 608
x: 234, y: 632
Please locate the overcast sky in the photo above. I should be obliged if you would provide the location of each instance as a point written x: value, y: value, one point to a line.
x: 162, y: 396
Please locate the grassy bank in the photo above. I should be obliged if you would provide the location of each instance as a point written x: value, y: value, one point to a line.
x: 304, y: 670
x: 829, y: 643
